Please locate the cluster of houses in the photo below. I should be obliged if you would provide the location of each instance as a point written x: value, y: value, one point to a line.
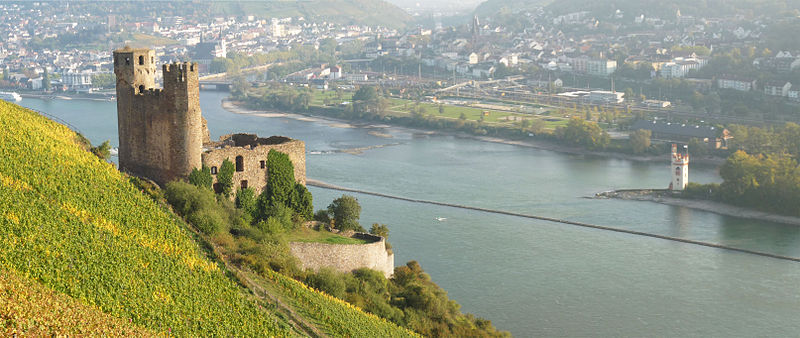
x: 26, y: 59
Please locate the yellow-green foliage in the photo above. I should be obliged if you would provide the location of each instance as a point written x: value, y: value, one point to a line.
x: 73, y: 223
x: 29, y: 309
x: 334, y: 316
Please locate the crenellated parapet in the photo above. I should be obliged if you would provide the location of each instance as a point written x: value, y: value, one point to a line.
x: 160, y: 129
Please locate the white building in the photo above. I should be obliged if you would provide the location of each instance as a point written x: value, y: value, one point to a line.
x: 602, y: 96
x: 743, y: 85
x: 679, y: 67
x: 79, y: 82
x: 777, y: 88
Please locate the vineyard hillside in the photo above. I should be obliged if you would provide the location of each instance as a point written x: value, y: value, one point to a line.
x: 75, y: 231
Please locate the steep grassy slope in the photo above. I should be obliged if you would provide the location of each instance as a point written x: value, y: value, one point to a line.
x: 28, y: 308
x: 76, y: 232
x: 74, y: 223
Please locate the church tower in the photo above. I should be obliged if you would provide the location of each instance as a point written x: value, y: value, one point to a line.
x: 160, y: 130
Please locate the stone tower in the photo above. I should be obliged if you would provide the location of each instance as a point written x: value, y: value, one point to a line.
x: 680, y: 167
x: 160, y: 130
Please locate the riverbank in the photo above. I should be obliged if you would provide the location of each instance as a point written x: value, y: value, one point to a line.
x: 237, y: 108
x: 666, y: 197
x: 69, y: 96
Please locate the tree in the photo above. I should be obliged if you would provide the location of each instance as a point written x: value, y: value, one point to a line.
x: 365, y: 93
x: 103, y: 80
x: 239, y: 86
x: 103, y: 151
x: 629, y: 94
x: 246, y: 200
x: 697, y: 147
x: 346, y: 211
x: 640, y: 140
x: 379, y: 230
x: 280, y: 178
x: 201, y: 177
x: 583, y: 133
x: 303, y: 202
x: 225, y: 177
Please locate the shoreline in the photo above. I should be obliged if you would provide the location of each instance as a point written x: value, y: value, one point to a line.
x: 232, y: 106
x: 657, y: 196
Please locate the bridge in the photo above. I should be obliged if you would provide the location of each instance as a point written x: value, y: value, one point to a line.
x: 215, y: 85
x: 220, y: 81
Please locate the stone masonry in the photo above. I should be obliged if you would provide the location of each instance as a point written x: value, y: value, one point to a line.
x: 163, y: 135
x: 160, y: 130
x: 249, y: 156
x: 346, y: 257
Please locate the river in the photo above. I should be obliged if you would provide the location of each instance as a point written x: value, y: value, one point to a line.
x: 531, y: 277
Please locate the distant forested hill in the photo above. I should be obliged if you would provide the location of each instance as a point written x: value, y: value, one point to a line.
x: 370, y: 12
x: 707, y: 8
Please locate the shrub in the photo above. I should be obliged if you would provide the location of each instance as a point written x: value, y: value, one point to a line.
x: 201, y: 177
x: 330, y: 281
x: 246, y: 201
x: 322, y: 216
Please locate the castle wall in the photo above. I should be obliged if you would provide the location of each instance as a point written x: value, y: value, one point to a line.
x: 253, y: 173
x: 160, y: 130
x: 345, y: 257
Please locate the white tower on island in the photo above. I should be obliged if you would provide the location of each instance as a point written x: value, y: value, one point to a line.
x: 680, y: 168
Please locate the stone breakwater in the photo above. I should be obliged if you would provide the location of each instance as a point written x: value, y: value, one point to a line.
x: 324, y: 185
x: 669, y: 197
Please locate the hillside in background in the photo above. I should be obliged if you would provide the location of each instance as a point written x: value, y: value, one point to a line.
x: 370, y: 12
x: 79, y: 241
x: 664, y: 9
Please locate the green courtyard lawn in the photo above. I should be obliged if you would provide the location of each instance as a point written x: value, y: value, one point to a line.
x: 305, y: 234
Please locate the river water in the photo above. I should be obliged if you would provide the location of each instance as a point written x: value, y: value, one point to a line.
x: 531, y: 277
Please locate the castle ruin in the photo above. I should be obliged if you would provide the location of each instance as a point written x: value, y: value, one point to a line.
x: 163, y: 136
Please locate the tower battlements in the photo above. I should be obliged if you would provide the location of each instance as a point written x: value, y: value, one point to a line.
x: 160, y: 129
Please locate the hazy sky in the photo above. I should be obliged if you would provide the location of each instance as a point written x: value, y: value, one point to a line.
x: 439, y: 5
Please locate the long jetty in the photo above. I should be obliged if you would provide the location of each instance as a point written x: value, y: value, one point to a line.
x: 320, y: 184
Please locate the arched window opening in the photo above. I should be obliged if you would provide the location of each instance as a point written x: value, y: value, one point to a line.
x: 127, y: 61
x: 244, y: 184
x: 263, y: 164
x: 141, y: 89
x: 141, y: 60
x: 213, y: 170
x: 239, y: 163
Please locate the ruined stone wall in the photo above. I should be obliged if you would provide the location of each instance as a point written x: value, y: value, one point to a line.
x: 345, y: 257
x: 253, y: 172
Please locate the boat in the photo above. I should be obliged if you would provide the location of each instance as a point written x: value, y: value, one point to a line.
x: 114, y: 151
x: 10, y: 96
x: 441, y: 219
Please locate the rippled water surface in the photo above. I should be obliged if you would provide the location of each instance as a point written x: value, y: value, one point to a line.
x: 533, y: 277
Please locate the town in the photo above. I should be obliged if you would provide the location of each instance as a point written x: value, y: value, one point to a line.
x: 695, y: 66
